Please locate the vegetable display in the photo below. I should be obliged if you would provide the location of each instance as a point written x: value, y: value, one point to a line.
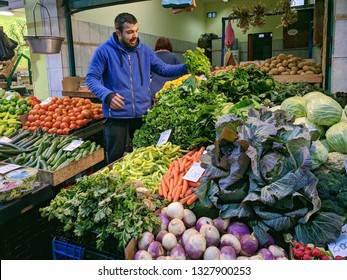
x: 260, y: 171
x: 200, y: 240
x: 283, y: 64
x: 62, y: 115
x: 147, y: 165
x: 173, y: 186
x: 106, y: 204
x: 188, y: 111
x: 311, y: 252
x: 44, y: 151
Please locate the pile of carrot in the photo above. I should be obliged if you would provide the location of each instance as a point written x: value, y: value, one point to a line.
x: 173, y: 187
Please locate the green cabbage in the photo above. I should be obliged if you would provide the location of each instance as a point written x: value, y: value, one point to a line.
x: 294, y: 106
x: 318, y: 153
x: 336, y: 136
x: 323, y: 110
x: 311, y: 126
x: 312, y: 95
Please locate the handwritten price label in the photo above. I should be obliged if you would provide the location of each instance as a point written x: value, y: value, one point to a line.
x: 339, y: 246
x: 194, y: 173
x: 164, y: 137
x: 73, y: 145
x: 46, y: 101
x: 9, y: 167
x: 5, y: 139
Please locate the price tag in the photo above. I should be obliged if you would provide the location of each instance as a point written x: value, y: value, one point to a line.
x: 73, y: 145
x: 9, y: 96
x: 194, y: 173
x: 46, y: 100
x: 5, y: 139
x: 9, y: 167
x: 339, y: 246
x: 164, y: 137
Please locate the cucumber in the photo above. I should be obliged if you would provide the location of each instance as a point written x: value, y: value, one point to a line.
x: 20, y: 136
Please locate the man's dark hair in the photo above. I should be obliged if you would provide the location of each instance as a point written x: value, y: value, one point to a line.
x: 124, y: 18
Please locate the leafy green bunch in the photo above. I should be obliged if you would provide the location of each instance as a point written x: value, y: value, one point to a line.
x: 197, y: 62
x: 190, y: 113
x: 105, y: 204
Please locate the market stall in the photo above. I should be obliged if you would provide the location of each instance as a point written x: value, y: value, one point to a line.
x: 241, y: 159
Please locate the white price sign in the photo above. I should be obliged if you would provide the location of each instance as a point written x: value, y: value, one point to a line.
x: 73, y: 145
x: 5, y: 139
x: 9, y: 167
x: 194, y: 173
x: 9, y: 96
x: 164, y: 137
x: 339, y: 246
x: 46, y: 101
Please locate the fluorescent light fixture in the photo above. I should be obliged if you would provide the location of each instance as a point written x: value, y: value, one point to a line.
x: 6, y: 13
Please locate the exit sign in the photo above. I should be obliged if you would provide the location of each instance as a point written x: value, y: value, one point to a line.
x: 212, y: 15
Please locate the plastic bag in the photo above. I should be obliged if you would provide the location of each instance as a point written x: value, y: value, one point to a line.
x: 229, y: 39
x: 7, y: 46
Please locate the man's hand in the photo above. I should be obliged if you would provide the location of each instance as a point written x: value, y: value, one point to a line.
x: 117, y: 102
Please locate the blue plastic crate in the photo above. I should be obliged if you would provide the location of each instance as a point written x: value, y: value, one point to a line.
x: 64, y: 250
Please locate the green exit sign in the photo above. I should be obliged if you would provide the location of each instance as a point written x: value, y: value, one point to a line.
x: 211, y: 14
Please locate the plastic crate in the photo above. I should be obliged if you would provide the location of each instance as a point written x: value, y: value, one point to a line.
x: 65, y: 249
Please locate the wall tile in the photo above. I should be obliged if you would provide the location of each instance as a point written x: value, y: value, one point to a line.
x: 84, y: 29
x: 75, y: 31
x: 94, y: 33
x: 340, y: 40
x: 338, y: 80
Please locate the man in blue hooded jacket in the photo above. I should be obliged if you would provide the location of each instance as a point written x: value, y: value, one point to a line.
x: 119, y: 75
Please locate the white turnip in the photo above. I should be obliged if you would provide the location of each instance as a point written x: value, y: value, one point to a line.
x: 188, y: 233
x: 266, y: 253
x: 249, y: 245
x: 211, y: 235
x: 156, y: 249
x: 277, y: 251
x: 146, y: 239
x: 176, y: 226
x: 175, y: 210
x: 189, y: 218
x: 227, y: 253
x: 142, y: 255
x: 257, y: 257
x: 211, y: 253
x: 164, y: 258
x: 159, y: 236
x: 195, y: 246
x: 242, y: 258
x: 203, y: 221
x: 169, y: 241
x: 178, y: 253
x: 221, y: 224
x: 238, y: 229
x: 228, y: 239
x: 165, y: 220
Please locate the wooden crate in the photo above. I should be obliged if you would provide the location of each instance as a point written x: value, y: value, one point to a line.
x: 58, y: 176
x: 308, y: 78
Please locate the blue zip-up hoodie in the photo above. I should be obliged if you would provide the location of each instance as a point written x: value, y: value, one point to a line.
x: 116, y: 69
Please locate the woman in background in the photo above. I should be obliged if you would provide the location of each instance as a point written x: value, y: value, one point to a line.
x: 163, y: 49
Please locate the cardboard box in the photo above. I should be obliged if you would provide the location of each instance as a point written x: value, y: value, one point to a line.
x: 72, y: 83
